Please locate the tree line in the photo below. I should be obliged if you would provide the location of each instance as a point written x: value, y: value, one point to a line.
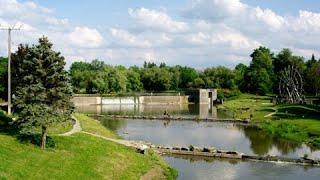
x: 261, y: 76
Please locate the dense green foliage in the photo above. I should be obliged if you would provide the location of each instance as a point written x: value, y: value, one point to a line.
x: 42, y: 91
x: 260, y: 77
x: 3, y: 77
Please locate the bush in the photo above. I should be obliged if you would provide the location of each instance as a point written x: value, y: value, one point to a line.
x: 316, y: 142
x: 227, y: 93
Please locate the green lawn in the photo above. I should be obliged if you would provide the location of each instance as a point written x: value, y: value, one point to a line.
x: 79, y: 156
x: 93, y: 126
x: 60, y: 128
x: 246, y: 105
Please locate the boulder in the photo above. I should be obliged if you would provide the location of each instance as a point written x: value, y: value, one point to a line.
x: 205, y: 149
x: 184, y: 149
x: 176, y: 148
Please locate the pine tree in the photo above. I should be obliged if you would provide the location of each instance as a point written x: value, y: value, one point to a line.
x: 42, y: 91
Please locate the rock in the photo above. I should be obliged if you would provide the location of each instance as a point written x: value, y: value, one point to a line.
x: 195, y: 148
x: 184, y: 149
x: 232, y: 152
x: 176, y: 148
x: 143, y: 149
x: 205, y: 149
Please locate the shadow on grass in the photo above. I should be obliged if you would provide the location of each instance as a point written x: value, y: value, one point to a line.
x: 11, y: 128
x: 267, y: 110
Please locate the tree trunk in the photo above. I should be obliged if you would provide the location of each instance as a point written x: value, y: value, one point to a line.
x: 44, y: 137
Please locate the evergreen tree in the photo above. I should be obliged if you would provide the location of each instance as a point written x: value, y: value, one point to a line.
x: 42, y: 91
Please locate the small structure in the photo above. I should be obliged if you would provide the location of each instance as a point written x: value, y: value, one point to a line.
x: 207, y: 96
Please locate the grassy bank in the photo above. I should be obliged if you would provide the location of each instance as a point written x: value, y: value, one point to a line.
x: 79, y: 156
x: 248, y: 106
x: 93, y: 126
x: 299, y: 123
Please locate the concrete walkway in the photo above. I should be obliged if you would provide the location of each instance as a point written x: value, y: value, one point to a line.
x: 273, y: 113
x: 75, y: 129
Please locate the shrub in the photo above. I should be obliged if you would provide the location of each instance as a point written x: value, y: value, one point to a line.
x: 227, y: 93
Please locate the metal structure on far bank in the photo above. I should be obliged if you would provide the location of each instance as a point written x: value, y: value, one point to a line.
x: 291, y: 85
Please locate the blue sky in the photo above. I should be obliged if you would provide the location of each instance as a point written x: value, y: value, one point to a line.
x: 198, y: 33
x: 108, y: 12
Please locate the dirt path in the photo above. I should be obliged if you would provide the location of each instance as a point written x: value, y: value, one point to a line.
x: 75, y: 129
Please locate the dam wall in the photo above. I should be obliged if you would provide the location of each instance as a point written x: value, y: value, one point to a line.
x: 163, y: 100
x: 86, y: 100
x: 96, y: 100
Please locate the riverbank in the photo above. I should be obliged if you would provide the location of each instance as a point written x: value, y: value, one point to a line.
x: 79, y: 156
x: 299, y: 123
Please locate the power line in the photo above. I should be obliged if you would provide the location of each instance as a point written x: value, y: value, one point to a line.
x: 9, y: 29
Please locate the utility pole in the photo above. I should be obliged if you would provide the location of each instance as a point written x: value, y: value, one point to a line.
x: 9, y: 29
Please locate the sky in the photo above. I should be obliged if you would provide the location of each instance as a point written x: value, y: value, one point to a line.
x: 197, y: 33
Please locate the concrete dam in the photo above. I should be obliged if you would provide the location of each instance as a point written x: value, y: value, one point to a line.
x: 201, y: 96
x: 96, y: 100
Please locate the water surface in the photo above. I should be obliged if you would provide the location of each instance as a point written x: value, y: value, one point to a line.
x: 223, y: 136
x: 191, y: 168
x: 226, y: 136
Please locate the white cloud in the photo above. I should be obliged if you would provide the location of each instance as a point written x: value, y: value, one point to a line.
x: 157, y: 20
x: 235, y: 13
x: 268, y: 17
x: 85, y: 37
x: 307, y: 21
x: 215, y: 10
x: 124, y: 38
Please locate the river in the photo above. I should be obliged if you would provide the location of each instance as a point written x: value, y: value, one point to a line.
x: 223, y: 136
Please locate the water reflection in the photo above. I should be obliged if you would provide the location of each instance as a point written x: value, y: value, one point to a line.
x: 262, y: 143
x: 193, y: 110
